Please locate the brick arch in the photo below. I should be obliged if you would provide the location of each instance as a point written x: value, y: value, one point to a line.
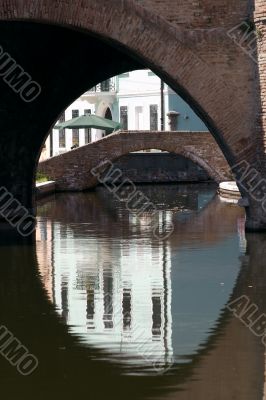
x: 72, y: 170
x: 148, y: 38
x: 212, y: 169
x: 209, y: 160
x: 196, y: 57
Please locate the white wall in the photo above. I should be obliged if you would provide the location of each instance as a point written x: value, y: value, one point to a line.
x: 138, y: 82
x: 139, y: 90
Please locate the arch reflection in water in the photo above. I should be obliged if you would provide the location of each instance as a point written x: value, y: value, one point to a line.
x: 144, y: 302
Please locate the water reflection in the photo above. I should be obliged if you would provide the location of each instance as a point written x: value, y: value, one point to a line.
x: 146, y: 303
x: 221, y: 359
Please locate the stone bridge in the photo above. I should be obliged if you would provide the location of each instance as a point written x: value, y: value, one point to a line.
x: 211, y: 53
x: 72, y: 170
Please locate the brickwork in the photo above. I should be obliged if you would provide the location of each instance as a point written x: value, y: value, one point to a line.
x: 260, y: 20
x: 71, y: 170
x: 186, y: 42
x: 191, y: 14
x: 200, y: 60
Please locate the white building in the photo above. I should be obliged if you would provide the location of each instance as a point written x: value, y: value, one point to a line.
x: 136, y: 99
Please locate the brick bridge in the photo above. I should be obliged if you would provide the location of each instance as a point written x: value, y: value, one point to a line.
x: 71, y: 170
x: 54, y: 50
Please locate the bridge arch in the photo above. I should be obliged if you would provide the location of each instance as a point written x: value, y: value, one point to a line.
x: 126, y: 35
x: 153, y: 42
x: 212, y: 169
x: 208, y: 166
x: 199, y: 147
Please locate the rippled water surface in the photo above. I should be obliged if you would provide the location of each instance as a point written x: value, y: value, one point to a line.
x: 113, y: 311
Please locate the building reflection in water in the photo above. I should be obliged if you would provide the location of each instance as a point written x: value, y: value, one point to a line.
x: 116, y: 297
x: 128, y: 295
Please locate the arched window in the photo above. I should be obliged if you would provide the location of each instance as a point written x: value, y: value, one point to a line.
x: 108, y: 114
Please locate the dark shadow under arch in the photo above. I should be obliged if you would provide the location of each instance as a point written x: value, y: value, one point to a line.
x: 213, y: 173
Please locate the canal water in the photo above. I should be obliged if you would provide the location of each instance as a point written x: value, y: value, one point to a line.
x: 117, y: 303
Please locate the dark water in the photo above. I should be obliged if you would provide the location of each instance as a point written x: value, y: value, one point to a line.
x: 112, y: 311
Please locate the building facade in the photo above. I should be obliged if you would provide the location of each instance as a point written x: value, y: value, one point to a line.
x: 138, y: 100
